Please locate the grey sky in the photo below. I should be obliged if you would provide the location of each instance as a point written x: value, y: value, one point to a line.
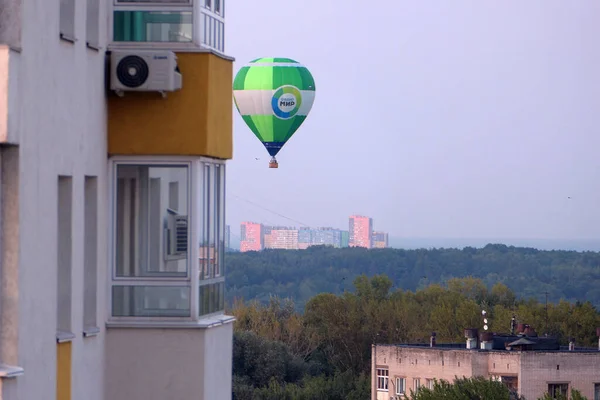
x: 436, y: 118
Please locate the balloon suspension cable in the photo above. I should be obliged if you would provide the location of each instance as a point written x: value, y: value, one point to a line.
x: 273, y: 163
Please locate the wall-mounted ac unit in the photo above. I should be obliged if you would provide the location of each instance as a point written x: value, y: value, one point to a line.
x: 144, y: 71
x: 176, y: 237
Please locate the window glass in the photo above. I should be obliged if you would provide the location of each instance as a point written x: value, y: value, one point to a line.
x: 211, y: 221
x: 151, y: 227
x: 212, y: 298
x: 152, y: 26
x: 177, y: 2
x: 151, y: 301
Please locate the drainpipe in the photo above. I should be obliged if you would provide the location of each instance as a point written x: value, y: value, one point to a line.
x: 373, y: 372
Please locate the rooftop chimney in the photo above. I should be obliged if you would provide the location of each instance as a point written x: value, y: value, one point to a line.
x: 513, y: 325
x: 598, y: 334
x: 471, y: 336
x: 571, y: 344
x: 432, y: 339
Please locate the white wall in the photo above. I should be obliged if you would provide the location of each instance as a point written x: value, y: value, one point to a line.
x: 175, y: 363
x: 62, y: 131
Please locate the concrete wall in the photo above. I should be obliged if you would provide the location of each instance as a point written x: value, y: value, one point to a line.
x: 175, y: 363
x: 62, y: 131
x: 424, y: 363
x: 580, y: 370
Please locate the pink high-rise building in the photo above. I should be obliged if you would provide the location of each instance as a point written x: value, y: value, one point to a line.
x: 361, y: 231
x: 251, y: 236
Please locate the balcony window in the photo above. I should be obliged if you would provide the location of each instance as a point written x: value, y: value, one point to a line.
x: 198, y: 23
x: 153, y: 26
x: 160, y: 210
x: 211, y: 228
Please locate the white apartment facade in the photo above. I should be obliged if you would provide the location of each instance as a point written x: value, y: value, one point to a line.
x: 105, y: 210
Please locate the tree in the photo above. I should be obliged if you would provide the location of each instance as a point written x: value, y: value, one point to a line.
x: 477, y: 388
x: 575, y: 395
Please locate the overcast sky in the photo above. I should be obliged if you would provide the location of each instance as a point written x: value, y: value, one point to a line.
x: 436, y: 118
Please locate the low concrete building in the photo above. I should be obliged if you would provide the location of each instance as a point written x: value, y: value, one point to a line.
x: 529, y: 364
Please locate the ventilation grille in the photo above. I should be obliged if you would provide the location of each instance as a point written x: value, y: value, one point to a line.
x: 132, y: 71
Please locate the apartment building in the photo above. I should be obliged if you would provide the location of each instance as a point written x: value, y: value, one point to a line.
x: 529, y: 364
x: 112, y: 203
x: 319, y: 237
x: 277, y: 237
x: 251, y: 236
x: 380, y: 240
x: 361, y: 231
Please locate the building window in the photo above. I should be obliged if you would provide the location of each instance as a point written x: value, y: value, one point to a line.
x: 153, y: 21
x: 64, y: 235
x: 168, y: 239
x: 67, y: 20
x: 151, y: 236
x: 416, y: 384
x: 211, y: 228
x: 596, y: 391
x: 90, y: 255
x: 429, y: 383
x: 92, y: 24
x: 382, y: 379
x: 558, y: 389
x: 400, y: 386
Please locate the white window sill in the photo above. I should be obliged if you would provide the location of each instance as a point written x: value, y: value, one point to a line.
x: 63, y: 337
x: 205, y: 323
x: 93, y: 46
x: 67, y: 38
x: 10, y: 371
x: 91, y: 331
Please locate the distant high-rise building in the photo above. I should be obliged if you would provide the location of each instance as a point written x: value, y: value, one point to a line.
x: 304, y: 238
x: 278, y: 237
x: 251, y: 236
x: 361, y: 231
x: 319, y: 237
x: 344, y: 238
x: 327, y: 237
x: 380, y: 240
x: 227, y: 237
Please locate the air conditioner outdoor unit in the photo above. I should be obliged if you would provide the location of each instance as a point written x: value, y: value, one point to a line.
x: 144, y: 71
x: 176, y: 237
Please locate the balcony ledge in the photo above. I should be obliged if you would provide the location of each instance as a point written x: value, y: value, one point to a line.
x: 10, y: 371
x: 205, y: 323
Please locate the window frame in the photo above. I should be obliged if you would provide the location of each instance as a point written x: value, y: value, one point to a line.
x: 568, y: 384
x: 416, y: 384
x: 92, y: 25
x: 385, y: 377
x: 154, y: 279
x: 191, y: 279
x: 397, y: 379
x: 199, y: 12
x: 196, y: 185
x: 217, y: 228
x: 67, y: 20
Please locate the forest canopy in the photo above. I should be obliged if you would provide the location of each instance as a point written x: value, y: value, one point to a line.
x: 302, y: 274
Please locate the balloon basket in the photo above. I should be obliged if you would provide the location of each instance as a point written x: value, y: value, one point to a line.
x: 273, y: 163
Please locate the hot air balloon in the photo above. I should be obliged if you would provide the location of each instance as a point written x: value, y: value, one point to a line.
x: 274, y: 96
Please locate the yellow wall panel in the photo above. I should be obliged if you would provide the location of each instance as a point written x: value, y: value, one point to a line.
x: 196, y: 120
x: 63, y: 371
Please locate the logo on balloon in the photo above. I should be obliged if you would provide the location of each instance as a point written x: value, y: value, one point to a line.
x: 286, y: 102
